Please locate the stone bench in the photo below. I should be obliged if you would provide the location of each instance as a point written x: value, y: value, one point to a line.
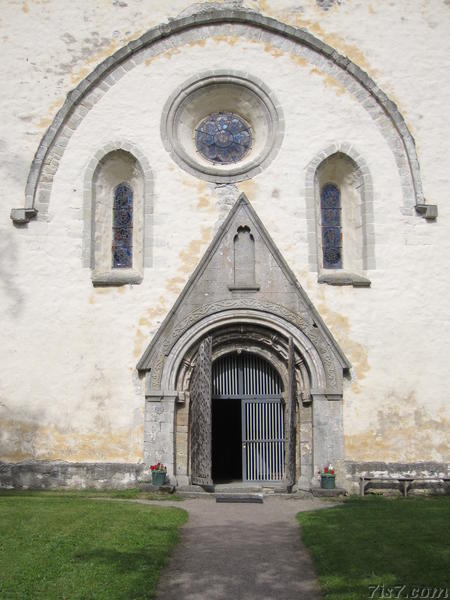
x: 406, y: 482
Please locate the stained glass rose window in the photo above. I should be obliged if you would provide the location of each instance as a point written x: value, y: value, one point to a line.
x: 223, y: 138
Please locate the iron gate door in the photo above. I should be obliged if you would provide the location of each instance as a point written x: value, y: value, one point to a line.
x: 257, y: 385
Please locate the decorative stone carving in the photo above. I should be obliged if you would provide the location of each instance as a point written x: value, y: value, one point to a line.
x: 201, y: 416
x: 313, y: 334
x: 291, y: 419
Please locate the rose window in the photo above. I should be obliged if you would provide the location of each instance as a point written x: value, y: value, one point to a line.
x: 223, y: 138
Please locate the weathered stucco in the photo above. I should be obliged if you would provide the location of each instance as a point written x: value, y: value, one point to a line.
x: 69, y: 389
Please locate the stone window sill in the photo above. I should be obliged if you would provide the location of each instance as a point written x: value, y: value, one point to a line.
x: 116, y: 277
x: 343, y: 278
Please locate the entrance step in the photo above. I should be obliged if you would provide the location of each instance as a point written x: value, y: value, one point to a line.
x: 237, y: 488
x: 240, y: 498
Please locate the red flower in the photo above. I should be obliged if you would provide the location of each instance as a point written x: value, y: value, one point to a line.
x: 325, y: 470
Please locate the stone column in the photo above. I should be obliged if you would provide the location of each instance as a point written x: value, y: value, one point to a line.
x: 159, y: 440
x: 305, y: 434
x: 328, y: 436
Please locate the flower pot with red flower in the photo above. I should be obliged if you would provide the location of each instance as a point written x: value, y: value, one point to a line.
x: 327, y: 478
x: 159, y: 472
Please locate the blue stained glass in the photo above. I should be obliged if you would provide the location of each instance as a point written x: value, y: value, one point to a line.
x: 122, y: 244
x: 223, y: 138
x: 330, y: 205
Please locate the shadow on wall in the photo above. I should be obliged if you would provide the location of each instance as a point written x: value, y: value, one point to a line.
x: 8, y: 269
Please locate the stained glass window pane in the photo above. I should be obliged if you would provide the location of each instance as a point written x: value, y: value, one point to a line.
x: 330, y: 205
x: 223, y: 138
x: 122, y: 244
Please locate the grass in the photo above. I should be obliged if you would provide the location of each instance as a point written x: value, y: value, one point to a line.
x: 58, y: 545
x: 375, y: 541
x: 127, y: 494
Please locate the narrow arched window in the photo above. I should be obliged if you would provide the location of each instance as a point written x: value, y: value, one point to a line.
x: 122, y: 242
x: 330, y: 208
x: 244, y: 257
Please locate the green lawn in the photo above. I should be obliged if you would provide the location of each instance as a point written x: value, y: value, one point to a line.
x: 67, y: 546
x: 384, y: 542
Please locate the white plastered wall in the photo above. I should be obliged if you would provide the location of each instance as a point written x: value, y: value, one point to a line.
x: 68, y: 387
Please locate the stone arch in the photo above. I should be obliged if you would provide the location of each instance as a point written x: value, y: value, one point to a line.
x: 243, y: 22
x: 265, y: 334
x: 88, y: 198
x: 362, y: 171
x: 315, y: 361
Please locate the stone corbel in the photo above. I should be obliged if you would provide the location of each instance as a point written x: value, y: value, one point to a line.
x: 20, y: 216
x: 428, y: 211
x: 182, y: 398
x: 153, y: 395
x: 305, y: 398
x: 333, y: 397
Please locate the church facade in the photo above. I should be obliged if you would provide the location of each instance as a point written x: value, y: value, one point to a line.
x: 225, y: 249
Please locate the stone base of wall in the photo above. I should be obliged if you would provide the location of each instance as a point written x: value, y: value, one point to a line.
x: 39, y: 475
x: 51, y: 475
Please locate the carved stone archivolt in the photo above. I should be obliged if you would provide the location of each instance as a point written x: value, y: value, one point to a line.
x: 302, y: 325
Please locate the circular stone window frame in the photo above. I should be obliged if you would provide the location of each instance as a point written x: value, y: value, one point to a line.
x: 247, y: 97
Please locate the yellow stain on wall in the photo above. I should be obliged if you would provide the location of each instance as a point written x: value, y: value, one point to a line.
x: 175, y: 284
x: 298, y: 59
x: 147, y: 321
x: 296, y: 18
x: 231, y: 40
x: 25, y: 7
x: 402, y: 432
x: 167, y: 54
x: 329, y: 81
x: 45, y: 122
x: 191, y: 256
x: 96, y: 58
x: 356, y: 353
x: 200, y: 42
x: 249, y: 187
x: 205, y: 199
x: 273, y: 50
x: 25, y: 441
x: 139, y: 341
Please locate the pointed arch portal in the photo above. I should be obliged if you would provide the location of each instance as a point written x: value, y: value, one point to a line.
x: 207, y: 354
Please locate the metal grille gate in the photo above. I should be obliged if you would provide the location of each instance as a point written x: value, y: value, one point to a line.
x: 257, y: 385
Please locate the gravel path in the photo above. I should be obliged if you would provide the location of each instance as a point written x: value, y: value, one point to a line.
x: 241, y: 551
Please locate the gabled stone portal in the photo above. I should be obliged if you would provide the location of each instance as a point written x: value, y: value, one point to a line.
x: 244, y: 297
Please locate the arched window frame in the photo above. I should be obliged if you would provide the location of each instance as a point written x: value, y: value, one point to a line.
x: 352, y: 178
x: 98, y: 198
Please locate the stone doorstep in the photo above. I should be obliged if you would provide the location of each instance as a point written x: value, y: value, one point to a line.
x: 240, y: 498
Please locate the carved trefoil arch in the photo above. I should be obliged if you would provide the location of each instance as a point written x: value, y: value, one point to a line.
x: 277, y: 322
